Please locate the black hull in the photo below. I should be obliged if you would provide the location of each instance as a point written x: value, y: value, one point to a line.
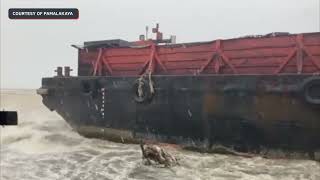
x: 249, y: 113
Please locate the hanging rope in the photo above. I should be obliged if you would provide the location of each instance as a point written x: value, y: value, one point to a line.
x: 151, y: 83
x: 148, y: 73
x: 140, y: 85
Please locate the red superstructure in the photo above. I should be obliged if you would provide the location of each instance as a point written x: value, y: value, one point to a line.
x: 275, y: 53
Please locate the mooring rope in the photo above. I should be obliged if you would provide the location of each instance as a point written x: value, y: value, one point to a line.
x: 151, y: 83
x: 149, y: 72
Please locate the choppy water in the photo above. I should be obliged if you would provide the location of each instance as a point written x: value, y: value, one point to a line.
x: 43, y: 146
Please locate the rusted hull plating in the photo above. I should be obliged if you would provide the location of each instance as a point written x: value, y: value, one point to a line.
x: 249, y: 113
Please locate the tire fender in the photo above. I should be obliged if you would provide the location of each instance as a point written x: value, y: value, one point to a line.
x: 141, y: 91
x: 311, y: 90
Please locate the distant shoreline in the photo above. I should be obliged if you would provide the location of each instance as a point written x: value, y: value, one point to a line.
x: 17, y: 91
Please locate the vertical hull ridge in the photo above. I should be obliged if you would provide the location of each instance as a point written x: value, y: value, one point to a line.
x: 249, y: 113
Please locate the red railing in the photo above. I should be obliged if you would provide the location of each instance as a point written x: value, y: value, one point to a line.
x: 299, y: 54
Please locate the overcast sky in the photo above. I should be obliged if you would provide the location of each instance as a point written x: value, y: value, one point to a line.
x: 31, y: 49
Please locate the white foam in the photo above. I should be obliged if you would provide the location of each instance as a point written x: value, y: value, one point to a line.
x: 43, y: 146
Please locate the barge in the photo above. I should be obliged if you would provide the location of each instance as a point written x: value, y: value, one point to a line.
x: 256, y: 94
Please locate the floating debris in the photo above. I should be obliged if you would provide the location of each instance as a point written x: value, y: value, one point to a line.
x: 154, y: 154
